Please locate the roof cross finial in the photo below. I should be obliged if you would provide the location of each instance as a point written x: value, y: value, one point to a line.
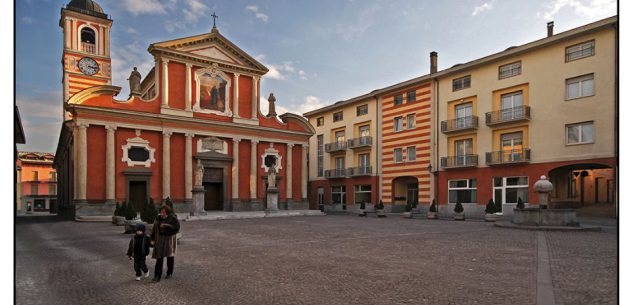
x: 214, y: 17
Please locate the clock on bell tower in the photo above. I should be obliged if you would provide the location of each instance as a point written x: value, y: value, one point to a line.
x: 86, y: 58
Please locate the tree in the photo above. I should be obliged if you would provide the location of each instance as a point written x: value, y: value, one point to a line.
x: 520, y: 204
x: 490, y: 207
x: 459, y: 208
x: 433, y: 207
x: 130, y: 213
x: 117, y: 210
x: 149, y: 213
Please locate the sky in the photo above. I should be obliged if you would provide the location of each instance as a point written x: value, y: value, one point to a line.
x: 318, y: 52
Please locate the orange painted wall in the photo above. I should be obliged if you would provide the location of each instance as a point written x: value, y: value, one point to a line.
x: 177, y: 170
x: 135, y: 104
x: 95, y: 184
x: 176, y: 92
x: 155, y: 141
x: 296, y: 172
x: 229, y: 178
x: 270, y: 122
x: 43, y: 171
x: 246, y: 92
x: 245, y: 170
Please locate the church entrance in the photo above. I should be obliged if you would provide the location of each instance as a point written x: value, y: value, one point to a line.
x: 138, y: 194
x: 213, y: 183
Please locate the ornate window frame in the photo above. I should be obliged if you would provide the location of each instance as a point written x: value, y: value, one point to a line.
x: 271, y: 151
x: 213, y: 70
x: 138, y: 142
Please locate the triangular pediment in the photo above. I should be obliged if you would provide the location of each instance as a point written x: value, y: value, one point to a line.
x: 212, y: 46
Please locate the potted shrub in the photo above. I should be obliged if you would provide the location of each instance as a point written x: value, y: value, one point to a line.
x: 120, y: 214
x: 169, y: 203
x: 432, y: 211
x: 459, y: 211
x: 520, y: 204
x: 130, y: 218
x: 362, y: 212
x: 380, y: 209
x: 408, y: 210
x: 149, y: 214
x: 117, y: 211
x: 490, y: 211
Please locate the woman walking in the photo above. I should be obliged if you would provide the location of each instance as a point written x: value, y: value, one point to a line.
x: 163, y: 238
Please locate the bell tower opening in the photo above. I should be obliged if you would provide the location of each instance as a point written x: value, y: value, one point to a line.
x: 88, y: 41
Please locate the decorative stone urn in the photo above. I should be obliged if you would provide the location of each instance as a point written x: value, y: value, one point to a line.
x: 543, y: 187
x: 543, y: 216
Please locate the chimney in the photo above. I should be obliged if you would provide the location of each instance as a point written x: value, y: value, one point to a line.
x: 433, y: 62
x: 550, y: 29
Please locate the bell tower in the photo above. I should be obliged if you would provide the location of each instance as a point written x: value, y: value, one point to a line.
x: 86, y: 58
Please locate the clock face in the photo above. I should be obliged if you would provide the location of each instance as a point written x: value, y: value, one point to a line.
x: 88, y: 66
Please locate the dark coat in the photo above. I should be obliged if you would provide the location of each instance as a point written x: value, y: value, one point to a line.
x: 164, y: 237
x: 139, y: 246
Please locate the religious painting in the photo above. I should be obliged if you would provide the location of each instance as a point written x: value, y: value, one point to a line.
x: 212, y: 92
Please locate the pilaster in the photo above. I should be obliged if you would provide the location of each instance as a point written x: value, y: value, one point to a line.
x: 254, y: 98
x: 235, y: 181
x: 110, y: 164
x: 253, y: 177
x: 166, y: 164
x: 165, y: 83
x: 236, y: 95
x: 188, y: 87
x: 188, y: 166
x: 304, y: 172
x: 82, y: 169
x: 289, y: 171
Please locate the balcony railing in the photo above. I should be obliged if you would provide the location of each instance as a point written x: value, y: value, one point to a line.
x: 459, y: 161
x: 335, y: 173
x: 359, y: 171
x: 88, y: 47
x: 458, y: 124
x: 359, y: 142
x: 335, y: 147
x: 508, y: 156
x: 520, y: 113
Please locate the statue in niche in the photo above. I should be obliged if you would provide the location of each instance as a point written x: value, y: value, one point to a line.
x: 212, y: 92
x: 135, y: 82
x: 199, y: 173
x: 272, y: 177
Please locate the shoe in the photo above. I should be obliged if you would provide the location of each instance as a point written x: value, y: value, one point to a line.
x: 146, y: 274
x: 168, y: 276
x: 156, y: 279
x: 138, y: 278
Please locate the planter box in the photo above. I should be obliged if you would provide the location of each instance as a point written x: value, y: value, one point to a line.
x: 362, y: 213
x: 431, y: 215
x: 491, y: 217
x: 381, y: 213
x: 130, y: 225
x: 120, y: 220
x: 407, y: 214
x: 459, y: 216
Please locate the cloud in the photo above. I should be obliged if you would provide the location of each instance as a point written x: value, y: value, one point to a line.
x: 303, y: 75
x: 482, y: 8
x: 138, y: 7
x: 195, y: 10
x: 132, y: 31
x: 124, y: 58
x: 41, y: 116
x: 584, y: 8
x: 364, y: 20
x: 283, y: 71
x: 27, y: 20
x: 259, y: 15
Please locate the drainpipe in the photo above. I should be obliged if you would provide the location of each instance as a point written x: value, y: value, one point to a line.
x: 377, y: 145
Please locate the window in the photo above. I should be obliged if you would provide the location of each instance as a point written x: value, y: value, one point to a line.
x: 579, y: 51
x: 363, y: 164
x: 35, y: 189
x: 53, y: 176
x: 411, y: 154
x: 362, y: 193
x: 397, y: 124
x: 463, y: 115
x: 512, y: 146
x: 580, y: 133
x: 320, y: 121
x: 363, y: 134
x: 508, y: 190
x: 512, y: 106
x: 52, y: 189
x: 397, y: 100
x: 510, y: 70
x: 464, y: 191
x: 397, y: 155
x: 579, y: 86
x: 88, y: 39
x: 36, y: 176
x: 337, y: 116
x: 340, y: 138
x: 461, y: 83
x: 463, y: 148
x: 338, y: 194
x: 138, y: 154
x: 411, y: 121
x: 361, y: 110
x: 411, y: 96
x: 320, y: 155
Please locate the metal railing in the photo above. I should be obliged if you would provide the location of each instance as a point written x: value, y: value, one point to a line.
x: 359, y: 142
x: 359, y: 171
x: 335, y: 173
x: 470, y: 122
x: 335, y: 146
x: 508, y: 115
x: 508, y: 156
x: 459, y: 161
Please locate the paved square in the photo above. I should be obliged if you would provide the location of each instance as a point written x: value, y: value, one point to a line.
x: 317, y: 260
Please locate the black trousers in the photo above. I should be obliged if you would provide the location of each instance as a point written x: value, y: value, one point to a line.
x: 158, y: 270
x: 139, y: 264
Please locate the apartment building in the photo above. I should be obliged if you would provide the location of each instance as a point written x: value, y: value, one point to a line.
x: 36, y: 182
x: 344, y: 157
x: 547, y: 107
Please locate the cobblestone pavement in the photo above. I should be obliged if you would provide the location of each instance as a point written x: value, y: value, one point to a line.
x: 316, y: 260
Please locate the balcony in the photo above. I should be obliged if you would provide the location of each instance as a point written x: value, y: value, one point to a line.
x: 460, y: 124
x: 508, y: 157
x: 335, y: 173
x: 359, y: 171
x: 459, y: 161
x: 335, y: 147
x: 88, y: 47
x: 510, y: 115
x: 359, y: 142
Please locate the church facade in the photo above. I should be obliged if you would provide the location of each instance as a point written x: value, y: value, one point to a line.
x: 199, y: 104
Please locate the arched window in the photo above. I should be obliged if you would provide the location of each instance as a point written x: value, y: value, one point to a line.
x: 88, y: 39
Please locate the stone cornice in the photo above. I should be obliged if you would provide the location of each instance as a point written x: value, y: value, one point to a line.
x: 203, y: 61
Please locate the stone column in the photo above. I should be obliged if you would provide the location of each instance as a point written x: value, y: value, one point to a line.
x: 235, y: 181
x: 236, y: 95
x: 304, y: 172
x: 166, y: 164
x: 165, y: 84
x: 110, y: 171
x: 82, y: 160
x: 67, y: 35
x: 101, y: 41
x: 188, y: 167
x: 188, y: 88
x: 254, y: 98
x: 253, y: 181
x: 73, y: 34
x: 289, y: 172
x: 75, y: 149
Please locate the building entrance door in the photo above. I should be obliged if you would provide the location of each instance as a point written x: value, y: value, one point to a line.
x: 213, y: 196
x: 138, y: 195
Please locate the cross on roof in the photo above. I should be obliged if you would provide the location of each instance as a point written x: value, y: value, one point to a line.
x: 214, y: 17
